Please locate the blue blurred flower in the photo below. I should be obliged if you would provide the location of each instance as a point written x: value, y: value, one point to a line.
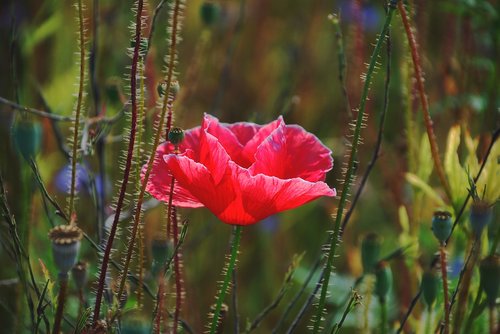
x: 62, y: 179
x: 270, y: 224
x: 370, y: 15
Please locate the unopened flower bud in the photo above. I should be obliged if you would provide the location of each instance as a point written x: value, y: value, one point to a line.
x: 480, y: 216
x: 65, y: 246
x: 430, y: 287
x: 489, y: 269
x: 370, y: 252
x: 209, y: 12
x: 441, y: 225
x: 383, y: 280
x: 27, y: 138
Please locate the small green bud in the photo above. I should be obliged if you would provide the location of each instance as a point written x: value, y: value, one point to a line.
x: 209, y: 12
x: 176, y: 136
x: 489, y: 270
x: 480, y: 216
x: 65, y: 246
x: 27, y: 138
x: 175, y: 87
x: 383, y: 280
x: 430, y: 287
x: 370, y: 252
x: 441, y: 225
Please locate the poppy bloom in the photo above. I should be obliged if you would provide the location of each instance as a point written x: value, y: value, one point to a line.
x: 242, y: 172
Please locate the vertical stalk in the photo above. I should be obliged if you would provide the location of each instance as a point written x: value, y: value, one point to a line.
x: 78, y: 111
x: 444, y: 274
x: 176, y: 16
x: 128, y: 166
x: 235, y: 243
x: 61, y: 298
x: 383, y: 316
x: 492, y: 319
x: 177, y: 266
x: 350, y: 170
x: 423, y: 100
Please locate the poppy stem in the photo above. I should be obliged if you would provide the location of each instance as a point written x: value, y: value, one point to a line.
x: 61, y: 298
x: 444, y: 274
x: 235, y: 243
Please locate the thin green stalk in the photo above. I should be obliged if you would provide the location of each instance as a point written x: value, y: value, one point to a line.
x: 353, y: 302
x: 350, y: 170
x: 428, y: 320
x: 235, y: 243
x: 61, y: 298
x: 474, y: 310
x: 383, y: 317
x: 79, y: 103
x: 444, y: 276
x: 369, y: 282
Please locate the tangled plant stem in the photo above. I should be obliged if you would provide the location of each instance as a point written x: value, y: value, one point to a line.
x: 350, y: 171
x: 128, y: 166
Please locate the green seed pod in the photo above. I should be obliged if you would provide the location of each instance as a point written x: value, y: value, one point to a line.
x: 80, y: 274
x: 441, y: 225
x: 480, y: 216
x: 176, y: 136
x: 430, y: 287
x: 27, y: 138
x: 209, y: 12
x: 383, y: 280
x: 135, y: 324
x: 370, y: 252
x: 65, y: 246
x: 489, y: 270
x: 175, y: 87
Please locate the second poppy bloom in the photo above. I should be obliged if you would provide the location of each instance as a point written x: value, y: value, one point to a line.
x: 243, y: 172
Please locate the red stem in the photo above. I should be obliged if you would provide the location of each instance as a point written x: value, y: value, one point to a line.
x: 128, y: 165
x: 177, y: 269
x: 160, y: 304
x: 444, y: 274
x: 423, y: 99
x: 61, y: 298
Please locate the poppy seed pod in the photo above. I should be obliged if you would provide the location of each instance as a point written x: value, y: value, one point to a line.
x: 209, y: 12
x: 441, y: 225
x: 383, y: 280
x: 135, y: 324
x: 80, y: 274
x: 480, y: 216
x: 176, y: 136
x: 430, y: 287
x: 370, y: 252
x: 27, y: 138
x: 489, y: 269
x: 65, y: 246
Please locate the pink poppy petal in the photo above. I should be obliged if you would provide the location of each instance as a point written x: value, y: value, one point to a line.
x: 225, y: 137
x: 160, y: 181
x: 252, y: 145
x: 244, y: 131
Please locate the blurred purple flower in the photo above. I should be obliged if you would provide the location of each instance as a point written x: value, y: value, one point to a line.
x: 456, y: 266
x: 370, y: 15
x: 62, y: 179
x: 270, y: 224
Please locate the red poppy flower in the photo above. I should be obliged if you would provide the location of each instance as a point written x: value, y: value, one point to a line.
x: 243, y: 172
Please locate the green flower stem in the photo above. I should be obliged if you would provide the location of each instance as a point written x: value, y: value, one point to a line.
x: 235, y: 243
x: 79, y: 104
x: 61, y: 298
x: 350, y: 171
x: 383, y: 317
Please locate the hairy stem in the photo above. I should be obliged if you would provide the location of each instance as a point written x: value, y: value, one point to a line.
x: 235, y: 243
x: 170, y: 73
x: 350, y: 171
x: 71, y: 205
x: 128, y: 166
x: 177, y: 268
x: 61, y: 298
x: 423, y: 100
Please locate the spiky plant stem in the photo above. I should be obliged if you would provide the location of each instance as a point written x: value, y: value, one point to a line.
x: 444, y: 276
x: 176, y: 16
x: 235, y: 243
x: 350, y: 170
x: 128, y: 166
x: 423, y: 100
x: 61, y: 298
x: 159, y: 314
x: 71, y: 205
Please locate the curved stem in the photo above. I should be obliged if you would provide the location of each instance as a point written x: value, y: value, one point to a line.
x: 128, y: 166
x: 350, y: 171
x: 78, y: 111
x: 444, y: 274
x: 235, y: 243
x: 423, y: 100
